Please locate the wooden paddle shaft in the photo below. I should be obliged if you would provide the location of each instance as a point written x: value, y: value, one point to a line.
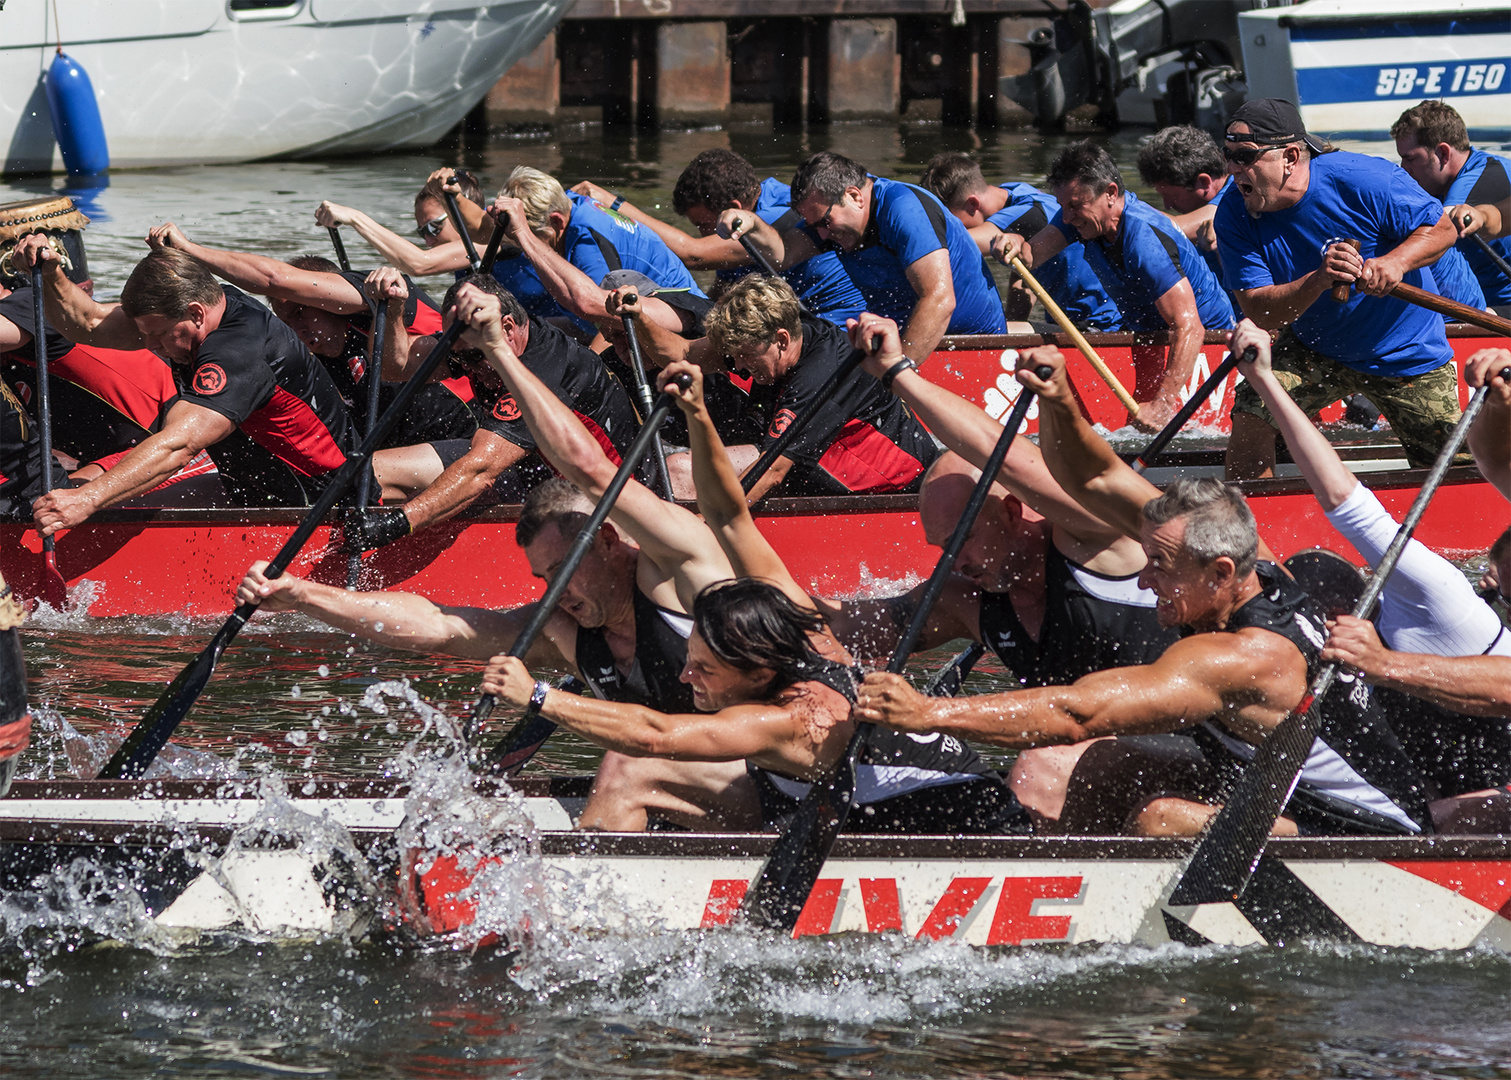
x: 1341, y: 288
x: 1076, y: 336
x: 1444, y: 306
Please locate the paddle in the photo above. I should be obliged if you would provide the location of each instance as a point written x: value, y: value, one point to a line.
x: 1076, y: 336
x: 520, y: 741
x: 364, y: 485
x: 156, y: 727
x: 802, y: 420
x: 339, y: 246
x: 1188, y: 410
x: 782, y: 885
x: 1494, y: 256
x: 647, y: 401
x: 758, y: 257
x: 54, y: 587
x: 455, y: 213
x: 1229, y: 848
x: 948, y: 679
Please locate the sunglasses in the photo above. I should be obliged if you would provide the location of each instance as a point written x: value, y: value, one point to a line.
x: 823, y: 222
x: 1244, y: 156
x: 432, y: 227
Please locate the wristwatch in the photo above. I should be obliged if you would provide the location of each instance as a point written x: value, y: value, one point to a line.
x: 617, y: 203
x: 890, y: 375
x: 537, y: 699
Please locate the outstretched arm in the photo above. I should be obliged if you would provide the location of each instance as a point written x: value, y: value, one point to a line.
x: 408, y: 257
x: 265, y: 276
x: 696, y: 252
x: 71, y: 310
x: 782, y: 249
x: 1474, y: 685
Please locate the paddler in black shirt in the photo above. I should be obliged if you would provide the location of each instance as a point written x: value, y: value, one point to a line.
x: 1051, y: 589
x: 499, y: 463
x: 622, y: 622
x: 249, y: 391
x: 773, y: 690
x: 330, y: 312
x: 863, y: 441
x: 1252, y: 641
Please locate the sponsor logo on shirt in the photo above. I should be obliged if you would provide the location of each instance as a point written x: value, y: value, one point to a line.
x: 782, y: 421
x: 506, y: 409
x: 209, y: 379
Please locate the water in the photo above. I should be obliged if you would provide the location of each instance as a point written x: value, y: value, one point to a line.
x: 90, y: 987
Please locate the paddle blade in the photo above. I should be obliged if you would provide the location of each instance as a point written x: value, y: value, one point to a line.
x: 780, y: 890
x: 54, y: 586
x: 518, y: 746
x: 154, y: 729
x: 1232, y: 843
x: 948, y: 680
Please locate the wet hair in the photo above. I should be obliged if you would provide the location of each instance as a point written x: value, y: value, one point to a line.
x: 541, y: 193
x: 552, y: 502
x: 317, y: 264
x: 716, y: 179
x: 828, y: 174
x: 508, y: 302
x: 165, y: 283
x: 1431, y: 123
x: 748, y: 624
x: 952, y: 177
x: 1086, y: 163
x: 1218, y: 521
x: 432, y: 192
x: 751, y: 313
x: 1178, y: 155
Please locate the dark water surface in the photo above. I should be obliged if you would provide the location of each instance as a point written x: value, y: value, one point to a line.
x: 299, y: 701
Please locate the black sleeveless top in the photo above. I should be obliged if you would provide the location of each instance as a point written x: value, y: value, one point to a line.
x: 660, y: 656
x: 1092, y: 622
x: 1356, y: 759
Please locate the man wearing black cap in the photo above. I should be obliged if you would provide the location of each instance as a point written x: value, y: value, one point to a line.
x: 1279, y: 228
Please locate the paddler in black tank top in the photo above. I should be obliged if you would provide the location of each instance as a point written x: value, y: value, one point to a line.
x: 623, y: 620
x: 1049, y: 587
x: 774, y: 690
x: 1244, y: 664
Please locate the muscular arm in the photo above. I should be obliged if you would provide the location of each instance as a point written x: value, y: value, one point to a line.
x: 75, y: 315
x: 743, y: 731
x: 1273, y: 306
x: 464, y: 481
x: 1248, y: 681
x: 1045, y: 245
x: 1178, y: 308
x: 1490, y: 443
x: 931, y: 280
x: 278, y: 280
x: 187, y: 430
x: 696, y: 252
x: 1473, y: 685
x: 411, y: 258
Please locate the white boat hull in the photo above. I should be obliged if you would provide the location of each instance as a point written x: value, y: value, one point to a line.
x: 184, y: 83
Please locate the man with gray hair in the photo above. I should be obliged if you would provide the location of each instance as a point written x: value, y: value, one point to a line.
x: 1253, y: 640
x: 1152, y: 272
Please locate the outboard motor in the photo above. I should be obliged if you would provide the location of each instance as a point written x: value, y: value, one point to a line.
x: 15, y: 720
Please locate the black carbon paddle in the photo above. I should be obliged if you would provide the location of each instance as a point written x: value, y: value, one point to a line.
x: 1490, y: 253
x: 519, y: 743
x: 781, y: 887
x: 758, y: 257
x: 1232, y: 843
x: 340, y: 246
x: 54, y: 587
x: 154, y: 729
x: 1188, y: 410
x: 455, y: 213
x: 647, y: 398
x: 364, y: 484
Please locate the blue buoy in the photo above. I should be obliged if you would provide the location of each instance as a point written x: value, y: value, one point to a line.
x: 76, y: 118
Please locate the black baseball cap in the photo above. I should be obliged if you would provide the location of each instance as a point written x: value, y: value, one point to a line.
x: 1272, y: 121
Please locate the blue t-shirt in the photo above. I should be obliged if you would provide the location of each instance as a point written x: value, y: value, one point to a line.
x: 820, y: 282
x: 519, y: 277
x: 1145, y: 260
x: 906, y: 224
x: 1485, y: 178
x: 1456, y: 281
x: 1348, y: 195
x: 1067, y: 277
x: 598, y: 240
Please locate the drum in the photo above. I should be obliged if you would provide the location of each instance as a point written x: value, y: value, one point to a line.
x: 54, y: 215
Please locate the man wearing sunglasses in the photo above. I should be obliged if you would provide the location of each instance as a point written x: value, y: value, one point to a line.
x: 1279, y: 232
x: 911, y: 259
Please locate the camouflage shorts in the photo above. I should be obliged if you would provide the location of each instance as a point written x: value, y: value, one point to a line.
x: 1422, y: 409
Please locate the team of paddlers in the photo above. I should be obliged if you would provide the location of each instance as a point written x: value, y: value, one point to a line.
x: 1154, y: 638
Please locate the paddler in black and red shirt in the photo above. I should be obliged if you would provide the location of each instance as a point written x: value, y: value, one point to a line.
x: 863, y: 441
x: 248, y: 389
x: 329, y: 311
x: 500, y: 463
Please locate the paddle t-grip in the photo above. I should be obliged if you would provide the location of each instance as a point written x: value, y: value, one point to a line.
x: 1341, y: 289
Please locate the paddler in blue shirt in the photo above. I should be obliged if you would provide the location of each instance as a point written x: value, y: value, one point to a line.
x: 987, y: 212
x: 1279, y: 228
x: 1152, y: 272
x: 1435, y: 152
x: 911, y: 259
x: 719, y: 180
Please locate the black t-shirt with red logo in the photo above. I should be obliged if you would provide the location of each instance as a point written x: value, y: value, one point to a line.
x: 863, y: 440
x: 104, y: 401
x: 254, y: 371
x: 576, y: 375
